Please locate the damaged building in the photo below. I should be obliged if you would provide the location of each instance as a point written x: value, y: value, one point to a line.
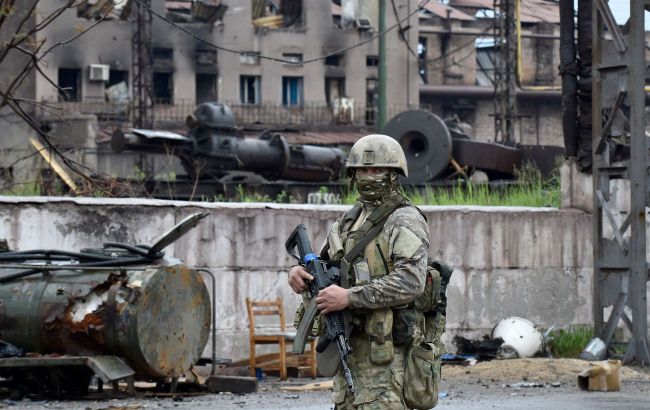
x: 442, y: 59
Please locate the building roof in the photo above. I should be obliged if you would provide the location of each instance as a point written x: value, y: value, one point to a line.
x: 442, y: 10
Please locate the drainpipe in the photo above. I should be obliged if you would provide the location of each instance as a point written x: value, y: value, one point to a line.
x: 569, y: 79
x: 381, y: 115
x: 583, y: 137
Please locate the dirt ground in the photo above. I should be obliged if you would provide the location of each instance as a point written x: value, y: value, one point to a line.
x: 484, y: 385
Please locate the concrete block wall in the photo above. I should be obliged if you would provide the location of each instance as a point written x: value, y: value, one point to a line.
x: 531, y: 262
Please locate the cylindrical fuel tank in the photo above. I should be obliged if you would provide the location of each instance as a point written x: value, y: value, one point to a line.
x: 157, y: 319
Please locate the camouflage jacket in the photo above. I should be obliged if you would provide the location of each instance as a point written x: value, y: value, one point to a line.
x: 395, y: 260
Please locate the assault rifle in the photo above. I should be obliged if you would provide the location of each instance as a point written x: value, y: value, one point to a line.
x: 324, y: 276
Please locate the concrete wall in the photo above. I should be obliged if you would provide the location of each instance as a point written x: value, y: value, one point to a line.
x: 531, y: 262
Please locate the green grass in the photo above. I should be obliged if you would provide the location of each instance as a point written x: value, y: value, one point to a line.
x: 530, y: 189
x: 570, y: 343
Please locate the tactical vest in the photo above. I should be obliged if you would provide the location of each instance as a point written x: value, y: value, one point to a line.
x: 427, y: 314
x: 385, y: 327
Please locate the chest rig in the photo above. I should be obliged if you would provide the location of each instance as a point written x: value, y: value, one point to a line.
x: 364, y: 256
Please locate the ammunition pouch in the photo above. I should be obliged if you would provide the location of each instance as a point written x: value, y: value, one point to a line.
x: 379, y: 327
x: 421, y: 375
x: 405, y: 323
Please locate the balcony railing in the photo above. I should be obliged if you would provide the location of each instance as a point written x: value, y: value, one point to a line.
x: 307, y: 114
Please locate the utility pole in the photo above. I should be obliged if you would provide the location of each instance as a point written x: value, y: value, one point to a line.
x: 381, y: 115
x: 142, y: 65
x: 505, y: 80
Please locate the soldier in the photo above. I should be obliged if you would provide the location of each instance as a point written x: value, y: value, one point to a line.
x: 382, y: 281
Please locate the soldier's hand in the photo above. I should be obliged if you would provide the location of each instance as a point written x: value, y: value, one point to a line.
x: 297, y: 277
x: 332, y: 299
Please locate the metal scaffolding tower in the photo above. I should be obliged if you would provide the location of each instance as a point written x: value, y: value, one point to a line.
x: 505, y: 78
x: 142, y: 62
x: 620, y: 261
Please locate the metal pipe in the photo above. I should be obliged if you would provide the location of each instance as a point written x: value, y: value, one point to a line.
x: 569, y: 79
x: 584, y: 93
x: 475, y: 91
x: 478, y: 33
x: 518, y: 36
x: 381, y: 70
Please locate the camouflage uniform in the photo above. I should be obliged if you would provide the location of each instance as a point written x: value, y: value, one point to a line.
x: 397, y: 263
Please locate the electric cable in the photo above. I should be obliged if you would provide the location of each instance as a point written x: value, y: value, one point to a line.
x: 401, y: 30
x: 280, y: 60
x: 135, y: 255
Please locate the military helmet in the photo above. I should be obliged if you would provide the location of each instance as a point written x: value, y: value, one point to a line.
x: 377, y: 151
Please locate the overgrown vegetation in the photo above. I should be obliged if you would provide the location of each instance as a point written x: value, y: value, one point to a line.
x: 528, y: 189
x: 570, y: 342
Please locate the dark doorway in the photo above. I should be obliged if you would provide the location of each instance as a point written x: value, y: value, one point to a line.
x: 206, y: 88
x: 334, y: 89
x: 118, y: 76
x: 69, y: 82
x: 163, y: 88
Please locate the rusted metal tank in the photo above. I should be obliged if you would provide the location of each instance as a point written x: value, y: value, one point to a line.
x: 157, y: 317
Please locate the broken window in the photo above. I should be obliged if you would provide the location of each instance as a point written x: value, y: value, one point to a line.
x: 163, y: 75
x: 163, y: 88
x: 422, y: 59
x: 372, y: 61
x: 371, y: 100
x: 487, y: 54
x: 117, y: 76
x: 334, y: 89
x: 334, y: 60
x: 206, y: 57
x: 249, y: 89
x: 292, y: 57
x: 336, y: 14
x: 250, y: 58
x: 192, y: 11
x: 206, y: 88
x: 292, y: 91
x: 117, y: 87
x: 276, y: 13
x: 69, y: 82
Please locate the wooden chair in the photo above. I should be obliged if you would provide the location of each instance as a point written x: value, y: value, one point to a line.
x: 275, y: 335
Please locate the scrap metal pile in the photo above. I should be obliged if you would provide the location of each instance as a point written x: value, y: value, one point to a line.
x: 215, y: 155
x: 121, y: 312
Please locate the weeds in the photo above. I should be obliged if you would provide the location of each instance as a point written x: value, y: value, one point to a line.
x: 570, y: 343
x: 529, y: 189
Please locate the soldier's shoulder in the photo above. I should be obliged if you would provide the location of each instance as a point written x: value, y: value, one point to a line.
x: 409, y: 217
x: 406, y: 213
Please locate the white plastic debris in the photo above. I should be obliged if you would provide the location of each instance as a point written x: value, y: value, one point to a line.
x: 520, y: 335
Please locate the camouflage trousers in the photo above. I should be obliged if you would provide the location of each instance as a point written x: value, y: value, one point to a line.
x: 378, y: 387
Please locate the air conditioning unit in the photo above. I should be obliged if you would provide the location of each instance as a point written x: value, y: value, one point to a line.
x: 99, y: 72
x: 363, y: 24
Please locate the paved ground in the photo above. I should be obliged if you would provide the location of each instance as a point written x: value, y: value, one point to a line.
x: 634, y: 395
x: 485, y: 385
